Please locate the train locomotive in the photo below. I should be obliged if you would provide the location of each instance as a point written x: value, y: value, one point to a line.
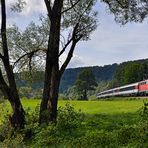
x: 134, y: 89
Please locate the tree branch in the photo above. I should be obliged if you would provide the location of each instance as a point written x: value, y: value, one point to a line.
x: 1, y: 56
x: 48, y: 6
x: 29, y: 54
x: 72, y: 6
x: 121, y: 5
x: 70, y: 55
x: 64, y: 48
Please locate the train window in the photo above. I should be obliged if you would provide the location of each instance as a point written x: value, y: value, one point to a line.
x: 142, y: 83
x: 127, y: 88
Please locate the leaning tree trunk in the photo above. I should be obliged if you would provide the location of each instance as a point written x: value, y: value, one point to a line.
x: 17, y: 119
x: 10, y: 90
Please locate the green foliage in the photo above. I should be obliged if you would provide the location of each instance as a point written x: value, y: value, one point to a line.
x: 75, y: 129
x: 130, y: 72
x: 18, y: 6
x: 28, y: 92
x: 104, y: 73
x: 102, y: 86
x: 63, y: 97
x: 68, y: 118
x: 68, y: 123
x: 85, y: 81
x: 143, y: 111
x: 128, y: 11
x: 24, y: 79
x: 71, y: 93
x: 15, y: 141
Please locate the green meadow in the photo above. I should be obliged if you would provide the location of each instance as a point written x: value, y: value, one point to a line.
x: 116, y: 123
x: 116, y: 106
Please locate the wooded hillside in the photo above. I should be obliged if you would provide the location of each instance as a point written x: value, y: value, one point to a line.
x: 104, y: 73
x: 119, y: 74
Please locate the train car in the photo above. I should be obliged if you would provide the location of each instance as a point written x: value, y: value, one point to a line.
x: 128, y: 90
x: 107, y: 93
x: 143, y: 88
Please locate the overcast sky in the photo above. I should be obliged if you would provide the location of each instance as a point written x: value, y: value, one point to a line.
x: 110, y: 43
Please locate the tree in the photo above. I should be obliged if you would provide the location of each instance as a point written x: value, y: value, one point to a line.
x: 46, y: 44
x: 78, y: 17
x: 130, y: 72
x: 8, y: 87
x: 85, y: 82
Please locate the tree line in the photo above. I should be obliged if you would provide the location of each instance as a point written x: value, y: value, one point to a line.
x: 130, y: 72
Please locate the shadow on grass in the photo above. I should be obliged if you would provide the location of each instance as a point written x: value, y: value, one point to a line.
x: 111, y: 122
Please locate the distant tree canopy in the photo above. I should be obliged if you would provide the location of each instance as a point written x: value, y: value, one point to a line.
x: 85, y: 82
x: 101, y: 73
x: 130, y: 72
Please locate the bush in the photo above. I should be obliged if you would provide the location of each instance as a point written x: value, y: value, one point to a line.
x: 68, y: 123
x: 68, y: 119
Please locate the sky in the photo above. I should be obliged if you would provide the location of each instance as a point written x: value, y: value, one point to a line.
x: 110, y: 43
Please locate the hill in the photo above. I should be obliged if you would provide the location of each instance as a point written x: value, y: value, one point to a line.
x: 117, y: 72
x: 101, y: 73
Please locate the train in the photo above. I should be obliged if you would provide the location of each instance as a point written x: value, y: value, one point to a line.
x: 135, y: 89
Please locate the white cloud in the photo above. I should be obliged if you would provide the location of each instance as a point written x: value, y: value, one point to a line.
x: 114, y: 43
x: 34, y: 6
x: 76, y: 61
x: 31, y: 7
x: 31, y: 12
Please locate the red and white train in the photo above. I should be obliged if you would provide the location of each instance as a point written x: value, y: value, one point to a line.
x: 134, y: 89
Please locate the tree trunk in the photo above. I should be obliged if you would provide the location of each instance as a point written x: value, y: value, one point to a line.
x: 85, y: 95
x: 53, y: 101
x: 10, y: 91
x: 17, y: 119
x: 48, y: 107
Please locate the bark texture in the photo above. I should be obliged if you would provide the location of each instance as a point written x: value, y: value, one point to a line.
x: 9, y: 90
x: 48, y: 108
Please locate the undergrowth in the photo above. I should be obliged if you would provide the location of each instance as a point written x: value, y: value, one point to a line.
x: 78, y: 130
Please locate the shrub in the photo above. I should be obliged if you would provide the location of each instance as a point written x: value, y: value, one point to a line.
x: 125, y: 135
x: 66, y: 129
x: 68, y: 119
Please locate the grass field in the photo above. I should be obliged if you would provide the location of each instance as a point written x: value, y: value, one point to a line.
x: 96, y: 107
x: 115, y: 123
